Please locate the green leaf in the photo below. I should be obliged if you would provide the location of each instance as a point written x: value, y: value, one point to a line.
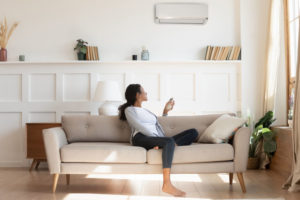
x: 270, y: 146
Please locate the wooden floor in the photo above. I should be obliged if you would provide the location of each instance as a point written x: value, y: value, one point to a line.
x: 19, y: 183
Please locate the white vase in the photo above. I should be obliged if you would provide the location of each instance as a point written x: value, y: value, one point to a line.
x: 290, y: 122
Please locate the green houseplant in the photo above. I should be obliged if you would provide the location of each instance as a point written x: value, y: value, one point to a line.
x: 262, y: 139
x: 81, y: 49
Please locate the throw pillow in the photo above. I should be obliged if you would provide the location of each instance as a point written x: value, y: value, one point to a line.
x: 221, y: 129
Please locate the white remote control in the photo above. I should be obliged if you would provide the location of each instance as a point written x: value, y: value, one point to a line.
x: 169, y: 106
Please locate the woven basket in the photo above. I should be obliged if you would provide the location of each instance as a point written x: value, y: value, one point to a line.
x: 253, y: 163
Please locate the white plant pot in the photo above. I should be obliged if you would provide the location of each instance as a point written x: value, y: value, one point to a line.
x: 290, y: 122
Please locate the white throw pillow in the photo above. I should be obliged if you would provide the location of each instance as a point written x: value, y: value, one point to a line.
x: 221, y: 129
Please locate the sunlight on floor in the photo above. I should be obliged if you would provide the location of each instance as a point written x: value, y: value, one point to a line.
x: 81, y: 196
x: 148, y: 177
x: 225, y: 178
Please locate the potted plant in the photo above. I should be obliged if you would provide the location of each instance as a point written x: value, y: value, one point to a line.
x: 5, y: 35
x: 262, y: 138
x: 290, y: 118
x: 81, y: 49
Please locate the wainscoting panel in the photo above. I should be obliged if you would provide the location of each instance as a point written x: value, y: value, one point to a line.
x: 10, y: 87
x: 42, y: 117
x: 76, y: 87
x: 181, y: 86
x: 150, y: 83
x: 11, y: 138
x: 42, y: 87
x: 45, y: 91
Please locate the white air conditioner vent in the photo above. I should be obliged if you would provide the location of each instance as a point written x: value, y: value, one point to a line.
x: 181, y: 13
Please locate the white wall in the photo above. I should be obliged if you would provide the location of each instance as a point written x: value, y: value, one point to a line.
x: 254, y: 23
x: 49, y: 28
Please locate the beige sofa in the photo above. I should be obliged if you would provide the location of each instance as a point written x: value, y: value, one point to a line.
x: 100, y: 144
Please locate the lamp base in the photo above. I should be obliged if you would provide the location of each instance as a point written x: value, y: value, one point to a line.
x: 108, y: 108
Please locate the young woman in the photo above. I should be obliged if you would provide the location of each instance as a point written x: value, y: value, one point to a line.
x: 148, y: 133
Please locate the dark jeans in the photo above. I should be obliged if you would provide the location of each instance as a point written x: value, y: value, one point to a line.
x: 166, y: 143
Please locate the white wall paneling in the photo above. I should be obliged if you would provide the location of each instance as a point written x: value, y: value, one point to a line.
x: 151, y: 84
x: 10, y: 87
x: 76, y: 87
x: 12, y: 139
x: 42, y: 117
x: 42, y: 87
x: 43, y: 92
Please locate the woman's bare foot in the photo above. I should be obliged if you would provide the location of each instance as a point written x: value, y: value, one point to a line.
x: 156, y: 147
x: 170, y: 189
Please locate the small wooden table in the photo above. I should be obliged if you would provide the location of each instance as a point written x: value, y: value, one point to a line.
x: 35, y: 142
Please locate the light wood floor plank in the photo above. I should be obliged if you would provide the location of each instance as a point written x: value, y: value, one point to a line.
x: 19, y: 183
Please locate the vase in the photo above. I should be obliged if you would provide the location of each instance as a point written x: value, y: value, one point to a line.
x: 81, y: 56
x: 290, y: 123
x: 3, y: 54
x: 145, y: 55
x: 252, y: 163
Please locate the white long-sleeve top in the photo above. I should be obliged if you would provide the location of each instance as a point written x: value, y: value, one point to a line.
x: 144, y: 121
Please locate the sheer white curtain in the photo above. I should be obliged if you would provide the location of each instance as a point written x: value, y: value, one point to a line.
x: 275, y: 54
x: 274, y: 70
x: 293, y: 182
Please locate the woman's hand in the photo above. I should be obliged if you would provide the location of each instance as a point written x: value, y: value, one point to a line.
x: 169, y: 106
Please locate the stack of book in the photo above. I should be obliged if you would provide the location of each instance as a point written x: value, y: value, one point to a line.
x: 92, y: 53
x: 223, y: 53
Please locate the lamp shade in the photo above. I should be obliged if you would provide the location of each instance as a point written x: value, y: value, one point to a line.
x: 107, y: 91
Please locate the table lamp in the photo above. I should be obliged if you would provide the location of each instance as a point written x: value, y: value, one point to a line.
x: 109, y: 93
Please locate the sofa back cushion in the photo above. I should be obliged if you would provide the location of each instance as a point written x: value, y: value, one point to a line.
x: 80, y: 128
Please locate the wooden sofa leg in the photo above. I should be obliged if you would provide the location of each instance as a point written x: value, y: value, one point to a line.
x: 68, y: 179
x: 230, y: 178
x: 55, y: 179
x: 241, y: 180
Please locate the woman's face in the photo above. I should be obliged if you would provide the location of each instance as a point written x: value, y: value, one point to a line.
x: 141, y: 96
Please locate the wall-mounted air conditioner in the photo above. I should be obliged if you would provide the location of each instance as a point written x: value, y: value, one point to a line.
x: 181, y: 13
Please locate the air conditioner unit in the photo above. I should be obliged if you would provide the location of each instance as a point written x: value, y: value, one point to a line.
x: 181, y: 13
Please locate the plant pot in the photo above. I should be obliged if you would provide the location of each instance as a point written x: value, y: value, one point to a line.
x: 81, y: 56
x: 3, y: 55
x: 253, y: 163
x: 290, y: 122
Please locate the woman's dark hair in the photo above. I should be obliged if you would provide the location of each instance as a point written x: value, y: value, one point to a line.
x: 130, y: 96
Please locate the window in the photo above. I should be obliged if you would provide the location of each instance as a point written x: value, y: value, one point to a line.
x: 293, y: 23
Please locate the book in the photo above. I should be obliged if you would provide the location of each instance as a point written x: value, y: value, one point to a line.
x: 93, y: 53
x: 208, y: 53
x: 221, y: 52
x: 229, y: 53
x: 236, y: 53
x: 236, y: 57
x: 216, y: 53
x: 96, y: 53
x: 232, y: 53
x: 224, y: 54
x: 212, y: 53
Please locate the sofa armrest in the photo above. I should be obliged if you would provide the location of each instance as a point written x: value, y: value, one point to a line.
x: 241, y: 142
x: 54, y: 139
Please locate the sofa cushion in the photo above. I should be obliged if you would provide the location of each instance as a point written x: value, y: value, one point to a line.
x: 221, y: 129
x: 173, y: 125
x: 80, y: 128
x: 102, y: 152
x: 195, y: 153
